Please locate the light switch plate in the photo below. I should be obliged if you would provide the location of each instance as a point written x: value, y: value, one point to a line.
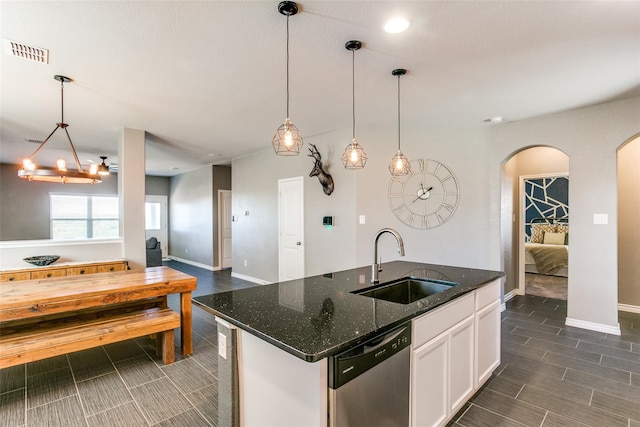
x: 222, y: 345
x: 600, y: 218
x: 362, y: 219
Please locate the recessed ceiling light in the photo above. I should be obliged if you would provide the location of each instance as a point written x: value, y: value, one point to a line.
x: 396, y: 25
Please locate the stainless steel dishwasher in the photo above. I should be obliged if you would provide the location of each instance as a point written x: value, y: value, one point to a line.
x: 369, y: 384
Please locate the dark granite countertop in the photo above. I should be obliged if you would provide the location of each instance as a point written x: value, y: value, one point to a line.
x: 318, y: 316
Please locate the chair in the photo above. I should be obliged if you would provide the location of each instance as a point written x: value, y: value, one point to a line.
x: 154, y: 252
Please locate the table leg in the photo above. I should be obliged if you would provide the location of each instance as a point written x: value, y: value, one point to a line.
x: 186, y: 323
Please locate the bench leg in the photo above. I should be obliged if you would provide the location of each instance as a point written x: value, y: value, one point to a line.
x: 165, y: 344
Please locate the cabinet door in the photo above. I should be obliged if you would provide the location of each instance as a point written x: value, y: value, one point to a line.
x: 461, y: 360
x: 15, y: 276
x: 45, y: 274
x: 87, y: 269
x: 487, y: 341
x: 429, y: 378
x: 119, y: 266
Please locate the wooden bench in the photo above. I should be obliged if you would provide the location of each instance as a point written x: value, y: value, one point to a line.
x: 27, y: 341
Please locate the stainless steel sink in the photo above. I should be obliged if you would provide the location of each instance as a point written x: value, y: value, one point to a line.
x: 406, y: 290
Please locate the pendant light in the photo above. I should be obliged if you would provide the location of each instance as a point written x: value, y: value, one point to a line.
x: 399, y: 164
x: 62, y: 175
x: 287, y: 140
x: 103, y: 169
x: 354, y: 156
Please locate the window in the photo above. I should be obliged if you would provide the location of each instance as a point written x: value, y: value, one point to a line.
x: 84, y: 217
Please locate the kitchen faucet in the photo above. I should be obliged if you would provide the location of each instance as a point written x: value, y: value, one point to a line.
x: 375, y: 267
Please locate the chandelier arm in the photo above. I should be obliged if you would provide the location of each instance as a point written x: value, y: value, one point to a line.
x: 43, y: 142
x: 73, y: 150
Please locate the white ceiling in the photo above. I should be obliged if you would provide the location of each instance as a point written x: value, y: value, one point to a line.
x: 206, y: 79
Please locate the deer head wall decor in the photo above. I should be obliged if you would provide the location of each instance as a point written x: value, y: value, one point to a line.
x: 325, y: 179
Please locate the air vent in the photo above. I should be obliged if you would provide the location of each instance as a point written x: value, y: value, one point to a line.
x: 24, y: 51
x: 113, y: 168
x: 34, y: 141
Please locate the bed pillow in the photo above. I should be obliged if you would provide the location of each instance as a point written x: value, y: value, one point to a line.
x: 538, y: 230
x: 551, y: 238
x: 564, y: 228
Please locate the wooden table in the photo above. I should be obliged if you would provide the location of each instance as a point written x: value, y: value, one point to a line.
x: 59, y: 295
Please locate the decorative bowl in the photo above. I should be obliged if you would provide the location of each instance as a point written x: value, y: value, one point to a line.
x: 42, y: 260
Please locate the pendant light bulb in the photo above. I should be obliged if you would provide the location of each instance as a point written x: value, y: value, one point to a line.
x: 27, y: 164
x: 287, y: 140
x: 62, y: 165
x: 93, y: 169
x: 354, y: 156
x: 399, y: 164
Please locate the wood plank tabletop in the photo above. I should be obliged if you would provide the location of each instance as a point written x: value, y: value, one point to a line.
x: 31, y: 298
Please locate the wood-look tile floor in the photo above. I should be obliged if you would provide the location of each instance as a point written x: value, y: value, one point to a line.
x: 555, y: 375
x: 551, y: 375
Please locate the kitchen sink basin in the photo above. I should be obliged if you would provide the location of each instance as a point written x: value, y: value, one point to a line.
x: 406, y: 290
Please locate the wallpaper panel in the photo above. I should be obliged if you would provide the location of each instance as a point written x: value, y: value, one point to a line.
x: 545, y: 198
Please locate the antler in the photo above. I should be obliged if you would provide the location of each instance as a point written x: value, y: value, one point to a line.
x: 315, y: 153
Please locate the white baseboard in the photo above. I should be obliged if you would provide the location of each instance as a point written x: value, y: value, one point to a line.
x: 250, y: 279
x: 629, y: 308
x: 195, y: 264
x: 598, y: 327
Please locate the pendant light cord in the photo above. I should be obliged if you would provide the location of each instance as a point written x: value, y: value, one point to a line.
x: 287, y: 65
x: 353, y: 91
x: 398, y: 112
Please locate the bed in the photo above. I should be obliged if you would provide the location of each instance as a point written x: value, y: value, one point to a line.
x: 547, y: 249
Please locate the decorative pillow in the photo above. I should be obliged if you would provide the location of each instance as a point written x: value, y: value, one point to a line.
x: 538, y: 230
x: 152, y: 242
x: 564, y: 228
x: 553, y: 238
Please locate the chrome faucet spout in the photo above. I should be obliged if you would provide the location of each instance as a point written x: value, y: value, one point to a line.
x: 375, y: 267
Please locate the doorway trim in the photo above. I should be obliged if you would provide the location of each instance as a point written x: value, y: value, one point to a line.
x: 522, y: 220
x: 221, y: 219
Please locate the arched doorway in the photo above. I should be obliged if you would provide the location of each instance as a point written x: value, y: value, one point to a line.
x: 540, y: 167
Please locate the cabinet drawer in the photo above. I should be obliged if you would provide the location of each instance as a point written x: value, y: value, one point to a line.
x: 432, y: 324
x: 45, y: 274
x: 487, y: 294
x: 12, y: 277
x: 75, y: 271
x: 116, y: 266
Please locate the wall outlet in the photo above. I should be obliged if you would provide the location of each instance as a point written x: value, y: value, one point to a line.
x: 186, y: 251
x: 362, y: 219
x: 222, y: 345
x: 245, y: 262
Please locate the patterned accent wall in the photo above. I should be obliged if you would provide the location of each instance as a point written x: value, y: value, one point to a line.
x: 545, y: 198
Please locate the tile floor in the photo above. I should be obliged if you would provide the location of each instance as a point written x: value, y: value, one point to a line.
x: 555, y: 375
x: 551, y: 375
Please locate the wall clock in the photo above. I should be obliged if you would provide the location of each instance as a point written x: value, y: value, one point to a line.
x: 425, y: 198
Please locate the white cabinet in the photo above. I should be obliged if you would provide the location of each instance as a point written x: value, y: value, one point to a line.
x: 429, y: 382
x: 442, y: 376
x: 456, y: 347
x: 487, y: 325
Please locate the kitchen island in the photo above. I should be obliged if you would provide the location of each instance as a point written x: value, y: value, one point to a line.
x: 286, y: 332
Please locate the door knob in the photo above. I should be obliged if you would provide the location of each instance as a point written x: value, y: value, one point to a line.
x: 298, y: 243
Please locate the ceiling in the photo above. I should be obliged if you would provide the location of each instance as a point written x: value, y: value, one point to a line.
x: 206, y: 79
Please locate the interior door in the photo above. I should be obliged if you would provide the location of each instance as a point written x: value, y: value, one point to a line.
x: 290, y: 229
x: 224, y: 228
x: 155, y: 214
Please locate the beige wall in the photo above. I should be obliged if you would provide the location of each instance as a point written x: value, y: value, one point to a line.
x: 629, y: 223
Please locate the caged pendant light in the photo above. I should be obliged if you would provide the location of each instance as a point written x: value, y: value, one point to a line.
x: 354, y: 156
x: 399, y: 164
x: 62, y: 175
x: 287, y: 140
